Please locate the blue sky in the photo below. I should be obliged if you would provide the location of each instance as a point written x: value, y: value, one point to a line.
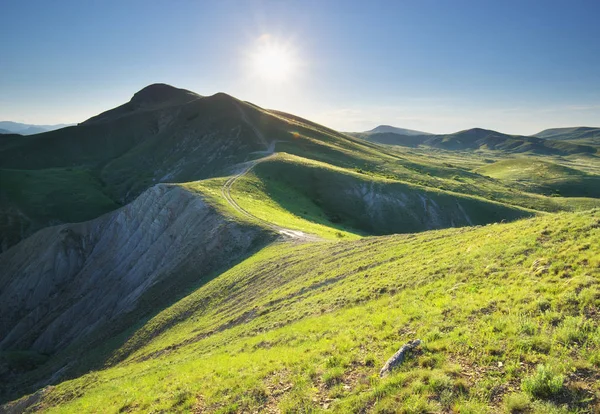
x: 439, y: 66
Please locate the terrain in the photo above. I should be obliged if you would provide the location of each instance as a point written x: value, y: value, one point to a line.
x: 381, y: 129
x: 583, y: 135
x: 551, y: 142
x: 8, y: 127
x: 199, y: 253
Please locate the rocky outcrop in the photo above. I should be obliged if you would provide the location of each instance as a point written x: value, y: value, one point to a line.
x: 68, y: 281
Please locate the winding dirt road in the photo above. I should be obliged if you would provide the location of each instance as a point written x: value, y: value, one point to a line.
x: 226, y: 189
x: 226, y: 192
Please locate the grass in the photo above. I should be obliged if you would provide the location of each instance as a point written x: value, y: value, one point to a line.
x: 32, y: 199
x: 491, y: 303
x: 349, y: 203
x: 535, y: 175
x: 545, y: 382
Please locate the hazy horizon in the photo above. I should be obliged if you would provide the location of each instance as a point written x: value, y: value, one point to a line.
x: 516, y: 67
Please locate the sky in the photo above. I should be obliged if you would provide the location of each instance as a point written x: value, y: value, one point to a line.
x: 432, y: 65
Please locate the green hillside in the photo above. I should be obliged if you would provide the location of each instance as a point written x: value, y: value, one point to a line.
x: 506, y: 313
x: 360, y: 203
x: 483, y: 139
x: 32, y: 199
x: 582, y: 135
x: 165, y: 134
x: 545, y: 177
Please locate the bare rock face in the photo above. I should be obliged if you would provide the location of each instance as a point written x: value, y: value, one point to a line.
x: 67, y: 281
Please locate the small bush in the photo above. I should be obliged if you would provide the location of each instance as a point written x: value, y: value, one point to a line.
x: 544, y: 383
x: 517, y: 403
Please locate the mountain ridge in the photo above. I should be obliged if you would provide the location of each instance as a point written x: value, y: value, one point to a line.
x: 479, y: 138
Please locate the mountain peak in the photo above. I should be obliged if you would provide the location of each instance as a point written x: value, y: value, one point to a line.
x: 161, y: 92
x: 151, y: 97
x: 395, y: 130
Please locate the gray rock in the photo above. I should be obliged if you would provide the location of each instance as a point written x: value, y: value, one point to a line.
x: 399, y: 357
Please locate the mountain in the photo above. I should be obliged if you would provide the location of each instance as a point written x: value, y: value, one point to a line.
x: 28, y: 129
x: 5, y: 131
x: 199, y: 253
x: 483, y: 139
x: 163, y: 134
x: 382, y: 129
x: 583, y: 135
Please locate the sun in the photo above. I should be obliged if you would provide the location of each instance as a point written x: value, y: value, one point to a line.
x: 273, y: 62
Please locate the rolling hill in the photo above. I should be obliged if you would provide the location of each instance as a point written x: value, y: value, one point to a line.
x: 483, y: 139
x: 545, y: 177
x: 199, y: 253
x: 165, y: 134
x: 277, y: 333
x: 583, y: 135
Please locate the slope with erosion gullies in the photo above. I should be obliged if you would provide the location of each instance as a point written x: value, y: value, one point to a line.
x: 535, y: 175
x: 477, y: 138
x: 502, y: 309
x: 71, y: 287
x: 292, y: 191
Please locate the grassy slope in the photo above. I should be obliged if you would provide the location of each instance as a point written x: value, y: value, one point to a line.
x: 278, y: 331
x: 458, y: 172
x: 34, y: 198
x: 350, y: 202
x: 481, y: 139
x: 541, y: 176
x: 580, y: 135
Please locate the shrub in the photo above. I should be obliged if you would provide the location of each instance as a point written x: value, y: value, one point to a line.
x: 544, y: 383
x: 517, y: 403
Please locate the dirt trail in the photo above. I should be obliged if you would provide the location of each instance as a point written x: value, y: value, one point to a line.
x: 226, y: 189
x: 226, y: 192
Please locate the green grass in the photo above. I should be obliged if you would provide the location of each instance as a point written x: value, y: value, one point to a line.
x: 490, y: 303
x: 32, y: 199
x: 535, y: 175
x: 67, y: 194
x: 349, y: 201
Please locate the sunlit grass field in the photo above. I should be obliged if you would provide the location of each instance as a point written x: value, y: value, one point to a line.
x: 507, y: 313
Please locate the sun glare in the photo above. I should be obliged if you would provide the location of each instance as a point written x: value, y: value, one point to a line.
x: 273, y: 62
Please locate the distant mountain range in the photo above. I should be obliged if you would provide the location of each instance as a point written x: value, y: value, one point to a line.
x: 559, y: 141
x: 583, y: 135
x: 9, y: 127
x: 384, y: 129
